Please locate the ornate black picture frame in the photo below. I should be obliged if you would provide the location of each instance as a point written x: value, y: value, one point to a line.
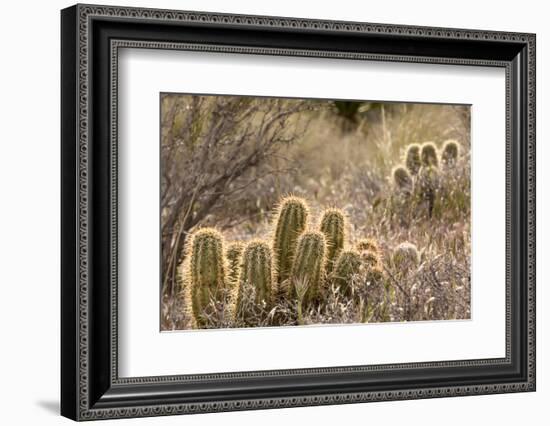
x: 91, y: 36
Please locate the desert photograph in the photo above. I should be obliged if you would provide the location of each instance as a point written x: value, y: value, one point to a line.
x: 279, y: 212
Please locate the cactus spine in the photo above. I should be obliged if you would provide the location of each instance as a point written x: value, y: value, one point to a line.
x: 291, y: 222
x: 348, y: 264
x: 256, y: 273
x: 402, y: 180
x: 333, y: 226
x: 206, y: 271
x: 412, y: 160
x: 449, y: 154
x: 429, y: 155
x: 308, y: 267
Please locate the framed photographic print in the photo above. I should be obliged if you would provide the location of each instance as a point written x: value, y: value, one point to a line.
x: 263, y: 212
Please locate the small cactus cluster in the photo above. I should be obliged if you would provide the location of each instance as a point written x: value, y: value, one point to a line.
x: 420, y: 172
x: 298, y: 265
x: 418, y: 156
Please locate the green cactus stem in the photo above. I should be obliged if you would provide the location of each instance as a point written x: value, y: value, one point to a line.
x: 291, y: 220
x: 234, y: 254
x: 428, y: 183
x: 370, y: 259
x: 402, y: 180
x: 449, y: 153
x: 429, y: 155
x: 206, y: 271
x: 183, y: 294
x: 333, y: 226
x: 308, y: 268
x: 412, y: 160
x: 347, y: 266
x: 255, y: 278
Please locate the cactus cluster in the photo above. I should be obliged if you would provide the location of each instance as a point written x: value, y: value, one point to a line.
x: 418, y: 156
x: 449, y: 153
x: 300, y: 265
x: 423, y: 165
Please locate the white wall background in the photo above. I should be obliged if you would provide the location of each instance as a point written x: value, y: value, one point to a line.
x: 29, y: 211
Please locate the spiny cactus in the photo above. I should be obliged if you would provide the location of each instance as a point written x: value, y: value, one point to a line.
x: 348, y: 264
x: 429, y: 155
x: 428, y: 182
x: 412, y: 160
x: 184, y: 294
x: 308, y: 268
x: 206, y: 271
x: 367, y: 244
x: 234, y: 255
x: 333, y: 226
x: 255, y: 282
x: 403, y: 180
x: 256, y: 269
x: 405, y: 256
x: 449, y: 153
x: 291, y: 222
